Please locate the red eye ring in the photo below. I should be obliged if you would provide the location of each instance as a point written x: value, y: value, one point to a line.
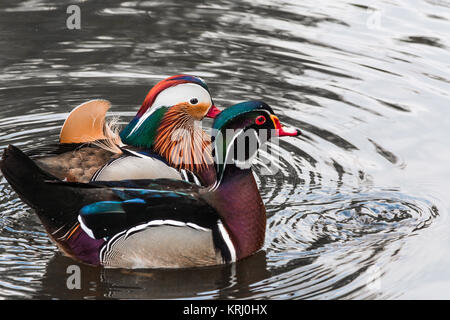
x: 260, y: 120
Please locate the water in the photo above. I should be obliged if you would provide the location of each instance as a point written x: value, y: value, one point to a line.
x: 359, y: 206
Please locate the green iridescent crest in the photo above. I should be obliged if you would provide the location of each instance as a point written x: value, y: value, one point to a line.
x: 229, y: 125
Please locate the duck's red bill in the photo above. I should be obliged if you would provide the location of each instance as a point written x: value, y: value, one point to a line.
x: 213, y: 112
x: 282, y: 131
x: 288, y: 131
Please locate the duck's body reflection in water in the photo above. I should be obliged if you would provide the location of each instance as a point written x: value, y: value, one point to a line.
x: 222, y: 282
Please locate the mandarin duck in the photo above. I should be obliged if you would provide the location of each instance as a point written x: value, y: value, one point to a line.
x: 91, y: 150
x: 159, y: 223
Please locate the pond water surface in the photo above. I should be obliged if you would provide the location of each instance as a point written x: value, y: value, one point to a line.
x: 359, y: 207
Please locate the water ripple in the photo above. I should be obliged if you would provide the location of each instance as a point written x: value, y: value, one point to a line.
x: 357, y: 205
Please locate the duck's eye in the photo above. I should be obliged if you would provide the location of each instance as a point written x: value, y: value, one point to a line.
x: 194, y: 101
x: 260, y: 120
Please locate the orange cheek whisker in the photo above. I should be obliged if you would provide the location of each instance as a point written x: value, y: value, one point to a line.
x: 180, y: 143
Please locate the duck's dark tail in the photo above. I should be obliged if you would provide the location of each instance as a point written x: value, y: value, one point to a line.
x: 26, y: 178
x: 57, y: 205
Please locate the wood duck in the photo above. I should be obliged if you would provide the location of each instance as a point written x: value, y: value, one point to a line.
x: 91, y: 150
x: 159, y: 223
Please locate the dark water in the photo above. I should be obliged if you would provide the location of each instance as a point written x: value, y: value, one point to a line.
x: 359, y: 207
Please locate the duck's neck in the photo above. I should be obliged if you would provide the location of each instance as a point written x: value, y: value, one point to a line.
x: 182, y: 142
x: 238, y: 201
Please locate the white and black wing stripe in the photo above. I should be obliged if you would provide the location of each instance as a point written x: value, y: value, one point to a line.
x: 189, y: 176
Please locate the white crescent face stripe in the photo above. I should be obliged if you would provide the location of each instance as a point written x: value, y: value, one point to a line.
x: 219, y: 180
x: 247, y: 164
x: 144, y: 117
x: 174, y: 95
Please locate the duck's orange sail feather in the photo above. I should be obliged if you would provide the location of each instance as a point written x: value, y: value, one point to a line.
x: 85, y: 123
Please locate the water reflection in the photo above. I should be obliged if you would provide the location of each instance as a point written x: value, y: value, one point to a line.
x: 222, y: 282
x: 358, y: 205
